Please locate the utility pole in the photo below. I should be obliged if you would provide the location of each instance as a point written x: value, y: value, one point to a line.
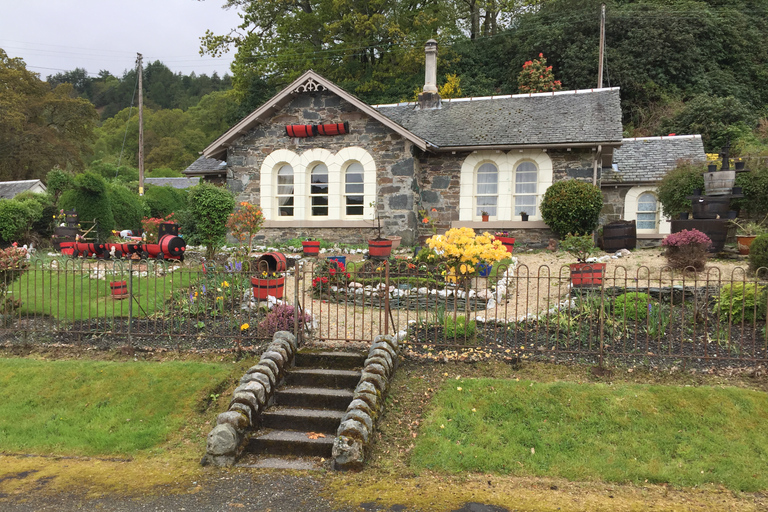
x: 602, y: 48
x: 141, y: 127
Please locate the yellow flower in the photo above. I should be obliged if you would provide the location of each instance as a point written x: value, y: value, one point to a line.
x: 219, y: 298
x: 244, y: 327
x: 225, y: 284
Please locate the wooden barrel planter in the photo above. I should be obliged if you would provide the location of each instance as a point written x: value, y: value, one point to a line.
x: 311, y: 247
x: 620, y: 234
x: 272, y: 262
x: 119, y: 289
x: 711, y: 207
x: 719, y: 183
x: 508, y: 242
x: 587, y: 275
x: 266, y: 286
x: 301, y: 130
x: 379, y: 249
x: 333, y: 129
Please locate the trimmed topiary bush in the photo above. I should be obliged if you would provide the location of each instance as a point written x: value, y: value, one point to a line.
x: 687, y: 248
x: 210, y: 207
x: 632, y: 306
x: 90, y: 199
x: 127, y: 207
x: 677, y: 185
x: 758, y: 253
x: 572, y: 206
x: 163, y: 201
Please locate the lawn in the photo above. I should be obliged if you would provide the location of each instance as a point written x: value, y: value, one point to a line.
x: 73, y: 407
x: 685, y: 436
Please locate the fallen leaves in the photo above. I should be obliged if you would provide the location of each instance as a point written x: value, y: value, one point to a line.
x: 315, y: 435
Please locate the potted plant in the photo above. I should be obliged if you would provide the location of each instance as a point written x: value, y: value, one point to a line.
x: 746, y: 232
x: 310, y: 247
x: 583, y: 274
x: 506, y: 240
x: 485, y: 215
x: 268, y: 283
x: 380, y: 247
x: 524, y: 216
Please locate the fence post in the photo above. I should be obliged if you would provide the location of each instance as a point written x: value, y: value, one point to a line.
x: 296, y: 309
x: 386, y: 297
x: 130, y: 300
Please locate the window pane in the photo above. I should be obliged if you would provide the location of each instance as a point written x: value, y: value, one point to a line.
x: 486, y: 194
x: 526, y: 186
x: 489, y: 188
x: 285, y: 191
x: 646, y: 203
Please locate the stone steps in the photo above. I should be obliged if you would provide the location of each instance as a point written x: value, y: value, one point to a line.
x: 308, y: 405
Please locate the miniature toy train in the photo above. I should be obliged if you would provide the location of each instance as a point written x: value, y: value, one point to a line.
x: 169, y: 246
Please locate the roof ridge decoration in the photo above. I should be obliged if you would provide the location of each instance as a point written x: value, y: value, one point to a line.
x: 310, y: 85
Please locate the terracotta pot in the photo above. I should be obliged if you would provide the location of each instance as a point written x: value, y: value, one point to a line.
x: 586, y: 275
x: 744, y: 242
x: 263, y: 287
x: 485, y: 218
x: 395, y: 241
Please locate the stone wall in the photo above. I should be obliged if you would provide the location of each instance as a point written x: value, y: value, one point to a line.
x: 391, y: 153
x: 613, y: 203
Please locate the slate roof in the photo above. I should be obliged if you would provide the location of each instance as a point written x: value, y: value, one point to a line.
x: 173, y: 182
x: 648, y: 159
x: 590, y: 116
x: 204, y: 166
x: 10, y: 189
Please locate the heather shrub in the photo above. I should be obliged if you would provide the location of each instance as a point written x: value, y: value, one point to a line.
x: 632, y: 306
x: 687, y: 248
x: 758, y: 253
x: 281, y: 318
x: 742, y: 302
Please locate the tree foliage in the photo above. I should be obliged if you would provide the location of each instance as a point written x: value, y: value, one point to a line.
x: 536, y: 76
x: 40, y: 127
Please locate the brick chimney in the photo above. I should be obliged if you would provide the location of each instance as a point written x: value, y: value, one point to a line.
x: 429, y: 97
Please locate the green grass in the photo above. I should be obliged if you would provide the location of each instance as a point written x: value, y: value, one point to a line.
x: 685, y: 436
x: 72, y: 295
x: 100, y: 408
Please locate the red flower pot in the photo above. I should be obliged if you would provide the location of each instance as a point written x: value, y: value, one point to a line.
x: 311, y: 247
x: 585, y: 275
x: 380, y: 249
x: 508, y: 241
x: 263, y: 287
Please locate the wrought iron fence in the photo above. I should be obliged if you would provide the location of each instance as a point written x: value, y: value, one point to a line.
x: 661, y: 318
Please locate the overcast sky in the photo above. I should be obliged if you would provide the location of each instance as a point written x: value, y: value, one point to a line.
x: 60, y: 35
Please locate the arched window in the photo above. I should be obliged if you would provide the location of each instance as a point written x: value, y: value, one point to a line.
x: 526, y: 180
x: 285, y: 191
x: 318, y: 190
x: 647, y: 211
x: 354, y: 189
x: 487, y: 197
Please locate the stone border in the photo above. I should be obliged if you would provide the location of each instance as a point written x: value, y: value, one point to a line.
x: 249, y: 399
x: 356, y: 429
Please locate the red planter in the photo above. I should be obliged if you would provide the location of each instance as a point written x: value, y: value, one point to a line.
x: 274, y: 261
x: 508, y: 241
x: 119, y: 289
x: 587, y: 275
x: 263, y: 287
x: 311, y: 247
x: 301, y: 130
x: 333, y: 129
x: 380, y: 249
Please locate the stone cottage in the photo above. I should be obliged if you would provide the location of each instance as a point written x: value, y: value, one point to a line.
x: 321, y: 162
x: 629, y: 186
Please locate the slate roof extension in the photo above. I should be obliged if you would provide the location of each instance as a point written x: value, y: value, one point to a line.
x: 10, y: 189
x: 649, y: 159
x: 566, y: 117
x: 179, y: 183
x: 204, y: 166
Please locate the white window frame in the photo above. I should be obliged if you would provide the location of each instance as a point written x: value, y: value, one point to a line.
x: 310, y: 196
x: 534, y: 213
x: 631, y: 205
x: 506, y: 164
x: 477, y: 194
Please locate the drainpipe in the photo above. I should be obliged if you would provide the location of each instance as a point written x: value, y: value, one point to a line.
x: 598, y: 159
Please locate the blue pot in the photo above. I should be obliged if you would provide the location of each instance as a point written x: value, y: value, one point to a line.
x: 339, y: 259
x: 484, y: 269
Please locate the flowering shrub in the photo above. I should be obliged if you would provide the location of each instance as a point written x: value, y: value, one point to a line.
x: 462, y: 250
x: 429, y: 221
x: 329, y: 273
x: 151, y: 225
x: 687, y: 248
x: 281, y: 318
x: 245, y: 222
x: 536, y: 76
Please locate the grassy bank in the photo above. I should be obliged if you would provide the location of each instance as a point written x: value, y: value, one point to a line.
x: 685, y: 436
x: 99, y: 407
